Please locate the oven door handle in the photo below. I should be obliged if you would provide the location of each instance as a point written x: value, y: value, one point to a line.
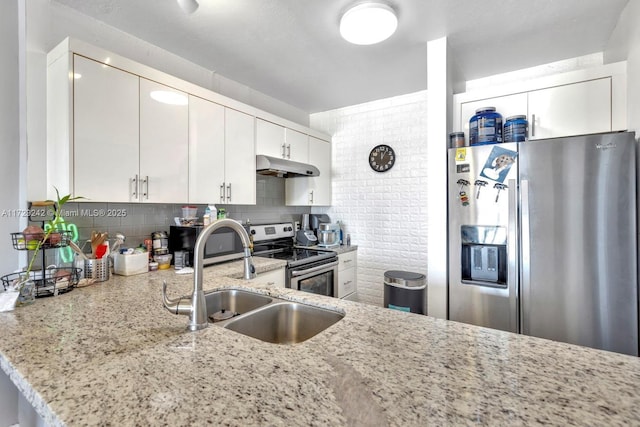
x: 295, y: 273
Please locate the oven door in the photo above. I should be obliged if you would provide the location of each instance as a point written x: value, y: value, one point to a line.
x: 318, y: 278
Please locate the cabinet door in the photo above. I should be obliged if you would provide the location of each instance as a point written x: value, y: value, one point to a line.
x: 164, y: 149
x: 320, y: 156
x: 573, y: 109
x: 297, y: 146
x: 272, y: 278
x: 240, y: 158
x: 270, y: 139
x: 314, y: 191
x: 105, y: 126
x: 509, y: 105
x: 206, y: 150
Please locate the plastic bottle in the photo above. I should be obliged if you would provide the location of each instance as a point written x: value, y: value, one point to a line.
x: 485, y: 127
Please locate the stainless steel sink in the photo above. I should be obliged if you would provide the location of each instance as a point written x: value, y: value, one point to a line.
x: 284, y: 322
x: 232, y: 302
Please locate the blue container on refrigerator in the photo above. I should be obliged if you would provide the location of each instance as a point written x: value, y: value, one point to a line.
x: 485, y: 127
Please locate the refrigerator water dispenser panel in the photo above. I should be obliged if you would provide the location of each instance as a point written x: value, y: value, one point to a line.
x: 484, y: 255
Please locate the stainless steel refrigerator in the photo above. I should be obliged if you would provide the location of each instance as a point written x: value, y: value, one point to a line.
x: 543, y: 239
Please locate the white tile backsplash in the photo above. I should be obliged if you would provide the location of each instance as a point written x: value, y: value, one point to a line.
x: 385, y: 213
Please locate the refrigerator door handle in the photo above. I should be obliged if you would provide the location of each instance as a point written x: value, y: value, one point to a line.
x: 525, y: 262
x: 512, y: 250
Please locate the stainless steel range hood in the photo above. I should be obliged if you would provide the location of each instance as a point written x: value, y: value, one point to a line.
x: 267, y: 165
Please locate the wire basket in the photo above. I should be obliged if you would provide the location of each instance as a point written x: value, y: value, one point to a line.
x: 50, y: 282
x: 29, y: 241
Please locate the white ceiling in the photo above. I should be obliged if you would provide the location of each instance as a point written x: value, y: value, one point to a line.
x: 292, y: 51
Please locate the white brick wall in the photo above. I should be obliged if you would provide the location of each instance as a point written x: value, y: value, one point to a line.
x: 385, y: 213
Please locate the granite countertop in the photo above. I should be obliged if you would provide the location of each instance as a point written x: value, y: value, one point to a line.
x: 110, y: 354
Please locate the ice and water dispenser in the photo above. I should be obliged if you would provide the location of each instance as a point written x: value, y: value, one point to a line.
x: 484, y: 255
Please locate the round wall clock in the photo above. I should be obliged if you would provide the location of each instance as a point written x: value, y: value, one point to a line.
x: 382, y: 158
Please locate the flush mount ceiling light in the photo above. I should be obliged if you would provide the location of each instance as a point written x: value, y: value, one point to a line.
x: 368, y: 23
x: 188, y: 6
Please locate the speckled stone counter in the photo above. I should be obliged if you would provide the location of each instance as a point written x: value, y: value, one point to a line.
x: 110, y: 354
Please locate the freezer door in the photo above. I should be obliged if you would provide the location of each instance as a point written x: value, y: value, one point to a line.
x: 578, y: 215
x: 482, y: 236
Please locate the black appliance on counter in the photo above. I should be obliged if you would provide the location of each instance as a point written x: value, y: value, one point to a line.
x: 308, y: 270
x: 222, y: 245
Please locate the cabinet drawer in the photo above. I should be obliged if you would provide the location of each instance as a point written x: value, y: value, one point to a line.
x: 272, y: 278
x: 346, y: 282
x: 347, y: 260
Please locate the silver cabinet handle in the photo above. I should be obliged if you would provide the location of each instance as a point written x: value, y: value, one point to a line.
x: 283, y: 148
x: 289, y: 151
x: 347, y: 282
x: 222, y: 193
x: 134, y: 181
x: 533, y: 125
x: 311, y: 197
x: 145, y: 182
x: 347, y: 260
x: 229, y: 192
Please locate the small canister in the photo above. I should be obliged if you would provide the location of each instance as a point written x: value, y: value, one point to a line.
x: 516, y: 129
x: 160, y: 243
x: 456, y: 139
x: 485, y: 127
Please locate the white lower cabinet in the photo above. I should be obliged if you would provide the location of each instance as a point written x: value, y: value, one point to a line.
x: 347, y: 274
x: 221, y: 154
x: 272, y: 278
x: 312, y: 191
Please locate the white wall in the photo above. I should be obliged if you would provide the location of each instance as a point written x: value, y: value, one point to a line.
x: 10, y: 135
x: 48, y: 23
x: 385, y: 213
x: 625, y: 44
x: 10, y: 165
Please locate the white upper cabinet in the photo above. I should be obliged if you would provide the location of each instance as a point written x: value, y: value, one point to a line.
x: 312, y: 191
x: 125, y: 132
x: 270, y: 139
x: 164, y: 150
x: 281, y: 142
x: 222, y: 163
x: 575, y: 103
x: 105, y: 129
x: 296, y: 146
x: 574, y: 109
x: 206, y: 151
x: 240, y: 158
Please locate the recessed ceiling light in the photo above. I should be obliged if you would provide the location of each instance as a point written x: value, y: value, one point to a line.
x: 368, y: 23
x: 167, y: 97
x: 189, y: 6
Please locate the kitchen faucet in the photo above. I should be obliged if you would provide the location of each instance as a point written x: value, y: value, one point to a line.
x: 196, y: 306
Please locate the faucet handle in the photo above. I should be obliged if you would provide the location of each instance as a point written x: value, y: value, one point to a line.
x: 177, y: 305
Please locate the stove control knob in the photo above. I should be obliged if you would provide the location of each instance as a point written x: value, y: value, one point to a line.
x: 253, y: 231
x: 288, y: 229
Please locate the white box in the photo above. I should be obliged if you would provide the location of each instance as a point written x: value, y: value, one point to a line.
x: 128, y: 265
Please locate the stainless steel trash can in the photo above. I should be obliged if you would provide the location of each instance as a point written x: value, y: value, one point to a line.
x: 405, y: 291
